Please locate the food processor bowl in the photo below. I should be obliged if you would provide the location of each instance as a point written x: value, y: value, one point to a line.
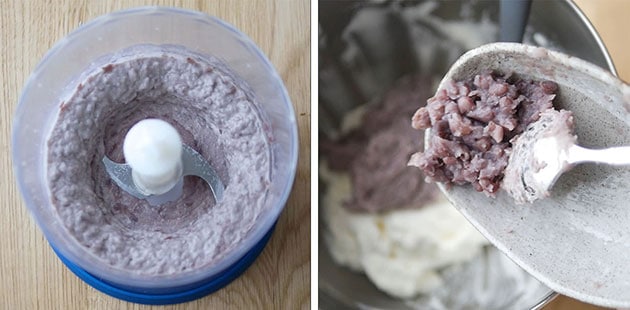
x: 61, y: 70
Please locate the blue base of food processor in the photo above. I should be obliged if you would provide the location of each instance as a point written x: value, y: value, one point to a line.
x: 197, y: 291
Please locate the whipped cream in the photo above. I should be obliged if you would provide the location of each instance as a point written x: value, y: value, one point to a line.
x: 403, y: 251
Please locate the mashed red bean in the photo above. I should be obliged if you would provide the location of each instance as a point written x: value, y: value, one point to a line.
x: 472, y: 123
x: 374, y: 153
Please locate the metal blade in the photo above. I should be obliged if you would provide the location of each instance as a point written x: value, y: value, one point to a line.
x: 195, y: 164
x: 192, y: 164
x: 121, y: 175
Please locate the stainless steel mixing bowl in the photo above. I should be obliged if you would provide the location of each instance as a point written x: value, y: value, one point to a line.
x: 365, y: 46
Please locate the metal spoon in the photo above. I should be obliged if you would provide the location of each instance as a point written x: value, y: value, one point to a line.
x: 577, y: 240
x: 546, y: 150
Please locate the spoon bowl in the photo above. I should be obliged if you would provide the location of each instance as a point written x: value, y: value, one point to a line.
x: 577, y: 240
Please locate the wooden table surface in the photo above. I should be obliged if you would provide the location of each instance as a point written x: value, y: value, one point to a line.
x: 31, y: 275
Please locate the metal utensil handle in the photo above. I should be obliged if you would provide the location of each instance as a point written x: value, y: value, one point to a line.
x: 612, y: 156
x: 513, y: 17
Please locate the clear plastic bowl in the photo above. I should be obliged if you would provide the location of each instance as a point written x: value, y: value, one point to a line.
x: 365, y: 46
x: 62, y: 66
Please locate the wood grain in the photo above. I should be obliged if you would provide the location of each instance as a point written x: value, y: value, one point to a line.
x: 610, y: 19
x: 33, y: 277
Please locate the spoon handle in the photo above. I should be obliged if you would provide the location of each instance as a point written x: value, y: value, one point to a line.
x: 513, y: 19
x: 612, y: 156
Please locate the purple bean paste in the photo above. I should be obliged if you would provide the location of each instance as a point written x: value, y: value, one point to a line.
x: 472, y: 123
x: 215, y: 115
x: 375, y: 153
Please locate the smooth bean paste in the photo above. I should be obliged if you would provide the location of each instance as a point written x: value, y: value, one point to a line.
x: 213, y: 112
